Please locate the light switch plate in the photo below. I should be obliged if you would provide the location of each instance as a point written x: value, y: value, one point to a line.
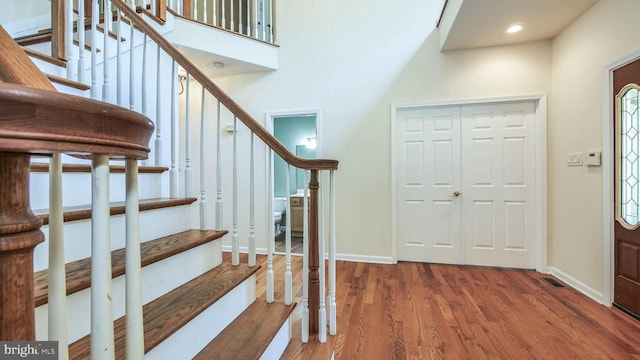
x: 574, y: 159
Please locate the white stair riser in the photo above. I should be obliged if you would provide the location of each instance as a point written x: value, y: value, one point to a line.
x: 197, y: 333
x: 77, y: 243
x: 157, y: 279
x: 280, y: 342
x: 76, y: 188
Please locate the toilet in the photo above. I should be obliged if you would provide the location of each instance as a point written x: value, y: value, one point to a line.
x: 279, y: 210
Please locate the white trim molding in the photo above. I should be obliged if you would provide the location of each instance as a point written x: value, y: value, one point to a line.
x: 608, y: 212
x: 541, y: 234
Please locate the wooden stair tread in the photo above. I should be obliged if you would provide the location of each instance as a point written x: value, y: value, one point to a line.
x: 163, y: 316
x: 86, y: 168
x: 66, y: 82
x: 79, y: 272
x: 83, y: 212
x: 249, y: 335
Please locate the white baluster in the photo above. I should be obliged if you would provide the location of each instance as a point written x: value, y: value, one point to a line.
x: 203, y: 178
x: 235, y: 241
x: 102, y: 346
x: 158, y: 142
x: 288, y: 277
x: 215, y: 12
x: 57, y: 275
x: 231, y: 13
x: 105, y: 51
x: 271, y: 4
x: 322, y: 310
x: 134, y: 323
x: 131, y: 67
x: 144, y: 76
x: 223, y: 21
x: 240, y: 16
x: 252, y: 207
x: 305, y: 263
x: 263, y: 20
x: 194, y: 14
x: 332, y: 254
x: 270, y: 239
x: 119, y: 58
x: 68, y: 37
x: 94, y: 49
x: 219, y: 204
x: 81, y: 40
x: 205, y: 16
x: 254, y: 19
x: 187, y: 140
x: 173, y: 173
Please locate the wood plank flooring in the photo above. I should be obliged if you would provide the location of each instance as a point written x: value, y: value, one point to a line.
x: 427, y: 311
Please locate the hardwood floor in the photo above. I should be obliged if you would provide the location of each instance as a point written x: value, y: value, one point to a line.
x: 427, y: 311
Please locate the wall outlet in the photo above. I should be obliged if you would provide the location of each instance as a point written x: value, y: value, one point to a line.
x: 574, y: 159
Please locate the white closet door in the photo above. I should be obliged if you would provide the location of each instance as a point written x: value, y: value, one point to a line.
x: 428, y: 175
x: 498, y: 186
x: 466, y: 184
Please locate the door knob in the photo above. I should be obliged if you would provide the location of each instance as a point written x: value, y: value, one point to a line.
x: 456, y: 193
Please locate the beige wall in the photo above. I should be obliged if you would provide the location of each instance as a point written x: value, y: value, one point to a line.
x: 605, y: 33
x: 353, y: 60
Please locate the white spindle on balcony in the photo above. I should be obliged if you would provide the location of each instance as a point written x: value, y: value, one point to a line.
x: 134, y: 324
x: 102, y: 345
x: 57, y: 310
x: 231, y: 13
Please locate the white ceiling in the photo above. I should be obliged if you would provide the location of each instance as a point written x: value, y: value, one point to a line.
x: 481, y: 23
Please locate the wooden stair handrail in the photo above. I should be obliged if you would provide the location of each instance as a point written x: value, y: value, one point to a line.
x: 217, y: 92
x: 40, y: 122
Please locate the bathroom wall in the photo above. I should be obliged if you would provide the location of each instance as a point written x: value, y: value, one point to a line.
x: 290, y: 131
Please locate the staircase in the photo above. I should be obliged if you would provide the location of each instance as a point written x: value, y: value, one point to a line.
x: 131, y: 263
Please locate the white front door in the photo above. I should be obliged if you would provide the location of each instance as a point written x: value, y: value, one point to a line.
x: 466, y: 184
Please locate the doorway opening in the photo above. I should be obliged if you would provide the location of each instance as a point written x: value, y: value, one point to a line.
x: 297, y: 131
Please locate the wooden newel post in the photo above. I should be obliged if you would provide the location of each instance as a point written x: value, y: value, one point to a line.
x: 19, y: 234
x: 314, y: 262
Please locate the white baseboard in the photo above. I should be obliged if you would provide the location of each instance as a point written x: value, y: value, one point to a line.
x: 595, y: 295
x: 341, y: 257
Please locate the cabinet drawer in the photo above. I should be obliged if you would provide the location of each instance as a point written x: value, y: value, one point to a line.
x: 296, y: 201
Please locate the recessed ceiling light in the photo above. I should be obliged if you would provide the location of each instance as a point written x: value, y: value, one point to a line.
x: 514, y: 29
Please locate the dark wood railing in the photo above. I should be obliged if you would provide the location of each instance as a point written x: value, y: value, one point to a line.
x: 34, y: 119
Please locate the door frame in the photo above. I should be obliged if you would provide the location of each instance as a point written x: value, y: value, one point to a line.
x: 608, y: 213
x: 540, y: 100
